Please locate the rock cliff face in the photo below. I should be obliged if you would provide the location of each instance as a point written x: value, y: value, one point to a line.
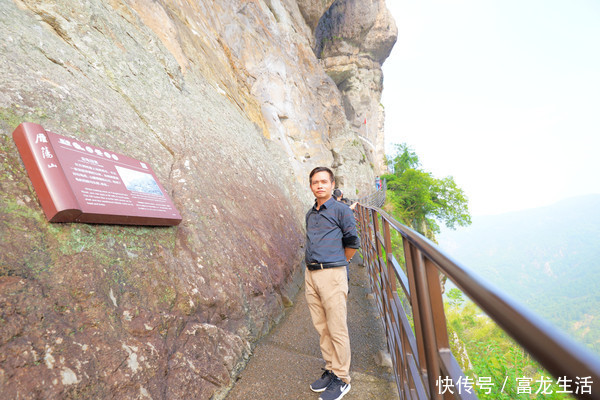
x: 229, y: 104
x: 353, y: 38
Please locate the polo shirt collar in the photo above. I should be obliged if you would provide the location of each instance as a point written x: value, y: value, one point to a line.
x: 327, y: 204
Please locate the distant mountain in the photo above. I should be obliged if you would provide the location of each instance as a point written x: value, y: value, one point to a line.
x: 547, y: 258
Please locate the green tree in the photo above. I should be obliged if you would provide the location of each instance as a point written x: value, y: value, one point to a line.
x: 404, y: 159
x: 455, y: 297
x: 419, y: 199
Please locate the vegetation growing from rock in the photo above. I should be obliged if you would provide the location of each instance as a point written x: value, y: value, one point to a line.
x: 419, y: 200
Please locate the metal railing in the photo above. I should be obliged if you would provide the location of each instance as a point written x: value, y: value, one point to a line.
x: 375, y: 199
x: 422, y: 357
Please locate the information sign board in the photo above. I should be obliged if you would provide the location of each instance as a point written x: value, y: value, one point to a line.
x: 78, y: 182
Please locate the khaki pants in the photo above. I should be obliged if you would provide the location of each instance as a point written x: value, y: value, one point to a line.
x: 326, y: 295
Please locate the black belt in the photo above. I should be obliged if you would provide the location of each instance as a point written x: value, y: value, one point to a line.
x: 315, y: 266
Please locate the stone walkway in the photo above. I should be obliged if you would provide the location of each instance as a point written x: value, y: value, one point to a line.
x: 288, y: 360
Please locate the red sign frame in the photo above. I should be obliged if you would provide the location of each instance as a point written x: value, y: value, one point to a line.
x: 78, y: 182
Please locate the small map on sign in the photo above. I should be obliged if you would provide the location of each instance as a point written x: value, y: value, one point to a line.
x: 137, y: 181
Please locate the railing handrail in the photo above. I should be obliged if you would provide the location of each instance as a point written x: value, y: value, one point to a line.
x: 555, y: 351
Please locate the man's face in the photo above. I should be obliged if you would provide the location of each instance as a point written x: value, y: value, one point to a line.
x: 321, y: 185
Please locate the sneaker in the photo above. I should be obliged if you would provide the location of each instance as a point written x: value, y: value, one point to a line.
x: 321, y: 384
x: 336, y: 390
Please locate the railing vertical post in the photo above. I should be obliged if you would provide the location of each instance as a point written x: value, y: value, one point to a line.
x: 428, y: 330
x: 439, y: 316
x: 392, y: 295
x: 378, y: 256
x: 388, y: 255
x: 365, y: 231
x: 410, y: 273
x: 368, y: 215
x: 437, y: 304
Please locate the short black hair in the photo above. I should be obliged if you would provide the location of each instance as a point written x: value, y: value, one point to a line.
x: 320, y: 169
x: 337, y: 193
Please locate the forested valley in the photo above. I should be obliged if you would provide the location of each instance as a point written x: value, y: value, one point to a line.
x: 546, y: 258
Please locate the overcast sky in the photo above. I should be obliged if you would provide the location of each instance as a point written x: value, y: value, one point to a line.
x: 502, y: 95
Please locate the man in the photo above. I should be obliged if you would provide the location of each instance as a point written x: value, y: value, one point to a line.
x: 331, y: 241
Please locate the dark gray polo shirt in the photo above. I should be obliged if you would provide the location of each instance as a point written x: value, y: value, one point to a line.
x: 328, y: 231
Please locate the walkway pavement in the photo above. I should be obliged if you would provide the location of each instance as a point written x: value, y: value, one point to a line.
x: 285, y: 362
